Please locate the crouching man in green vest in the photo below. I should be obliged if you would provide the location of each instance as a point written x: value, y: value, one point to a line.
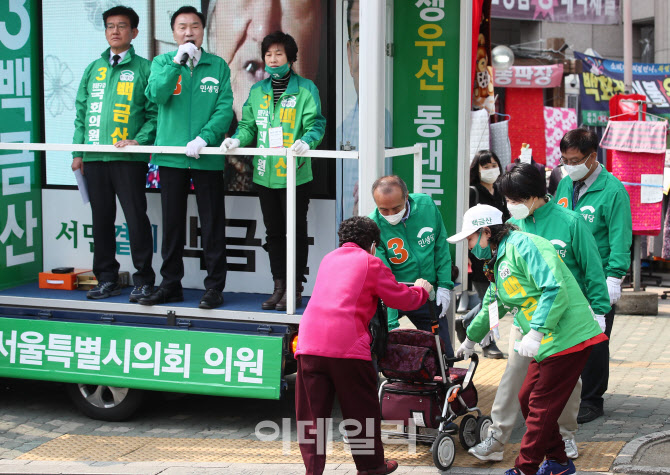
x: 414, y: 245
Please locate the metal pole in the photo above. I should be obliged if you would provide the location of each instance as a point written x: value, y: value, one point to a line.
x: 637, y: 240
x: 290, y: 232
x: 627, y: 46
x: 418, y: 181
x: 371, y: 100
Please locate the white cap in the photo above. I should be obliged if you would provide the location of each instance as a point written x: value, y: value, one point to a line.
x: 475, y: 218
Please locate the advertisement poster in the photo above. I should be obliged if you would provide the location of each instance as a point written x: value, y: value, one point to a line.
x: 20, y: 174
x: 426, y: 91
x: 234, y: 31
x: 602, y: 78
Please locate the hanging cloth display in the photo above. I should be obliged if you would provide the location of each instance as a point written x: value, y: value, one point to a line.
x: 638, y: 158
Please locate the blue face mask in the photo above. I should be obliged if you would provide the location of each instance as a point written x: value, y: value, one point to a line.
x: 278, y: 72
x: 482, y: 253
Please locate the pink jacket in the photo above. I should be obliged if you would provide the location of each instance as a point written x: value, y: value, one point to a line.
x: 336, y: 320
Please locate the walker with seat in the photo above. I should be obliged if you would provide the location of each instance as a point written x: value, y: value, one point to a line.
x: 425, y: 396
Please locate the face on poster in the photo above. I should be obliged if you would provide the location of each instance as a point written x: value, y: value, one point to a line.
x: 235, y: 30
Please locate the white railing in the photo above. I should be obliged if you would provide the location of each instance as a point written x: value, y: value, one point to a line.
x: 414, y: 151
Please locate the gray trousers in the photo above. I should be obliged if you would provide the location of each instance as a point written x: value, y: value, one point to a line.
x: 506, y: 407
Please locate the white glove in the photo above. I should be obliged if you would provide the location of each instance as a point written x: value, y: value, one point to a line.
x: 488, y: 339
x: 229, y: 144
x: 466, y: 349
x: 300, y: 147
x: 186, y: 48
x: 194, y: 146
x: 530, y: 343
x: 442, y: 298
x: 601, y: 321
x: 614, y: 289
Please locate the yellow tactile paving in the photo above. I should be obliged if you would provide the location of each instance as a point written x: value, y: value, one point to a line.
x: 594, y: 456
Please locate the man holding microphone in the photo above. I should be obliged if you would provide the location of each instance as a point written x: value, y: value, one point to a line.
x: 195, y: 107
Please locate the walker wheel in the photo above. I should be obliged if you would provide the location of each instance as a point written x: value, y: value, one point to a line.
x: 467, y: 432
x: 482, y: 431
x: 444, y: 451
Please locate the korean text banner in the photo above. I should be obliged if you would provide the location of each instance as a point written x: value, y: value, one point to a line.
x: 602, y: 78
x: 595, y: 12
x: 20, y: 199
x: 425, y: 78
x: 549, y: 75
x: 158, y: 359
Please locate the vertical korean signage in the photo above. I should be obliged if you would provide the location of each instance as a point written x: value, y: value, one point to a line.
x: 425, y: 96
x: 20, y: 201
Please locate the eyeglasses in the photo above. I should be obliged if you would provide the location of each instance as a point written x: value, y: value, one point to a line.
x: 568, y: 162
x: 120, y: 26
x: 355, y: 44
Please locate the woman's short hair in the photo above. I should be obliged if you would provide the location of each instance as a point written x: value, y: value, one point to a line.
x: 360, y: 230
x: 284, y: 39
x: 483, y: 157
x: 522, y: 182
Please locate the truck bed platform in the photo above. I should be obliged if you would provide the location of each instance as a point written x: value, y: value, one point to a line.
x: 236, y: 306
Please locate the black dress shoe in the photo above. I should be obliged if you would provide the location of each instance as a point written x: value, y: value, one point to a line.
x: 162, y: 295
x: 588, y: 414
x: 212, y: 299
x: 492, y: 351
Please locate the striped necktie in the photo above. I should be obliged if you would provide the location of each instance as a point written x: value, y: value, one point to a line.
x: 115, y: 60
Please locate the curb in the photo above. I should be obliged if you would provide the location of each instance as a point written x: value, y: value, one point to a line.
x: 625, y: 461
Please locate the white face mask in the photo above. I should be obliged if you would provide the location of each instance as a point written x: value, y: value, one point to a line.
x: 373, y: 248
x: 577, y: 172
x: 490, y: 175
x: 520, y: 211
x: 396, y: 218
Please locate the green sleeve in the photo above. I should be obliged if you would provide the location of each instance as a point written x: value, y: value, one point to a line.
x: 247, y: 128
x: 588, y: 259
x: 442, y: 254
x: 314, y: 122
x: 163, y: 79
x: 480, y: 325
x: 544, y: 270
x: 620, y: 234
x: 80, y: 112
x: 218, y: 124
x: 147, y: 133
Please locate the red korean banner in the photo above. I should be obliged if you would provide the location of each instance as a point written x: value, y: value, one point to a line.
x: 529, y: 76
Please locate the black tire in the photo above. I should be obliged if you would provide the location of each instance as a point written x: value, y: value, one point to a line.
x: 482, y: 430
x: 467, y: 431
x: 105, y: 403
x: 444, y: 451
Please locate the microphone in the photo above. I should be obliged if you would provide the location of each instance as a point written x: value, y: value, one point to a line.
x: 184, y: 57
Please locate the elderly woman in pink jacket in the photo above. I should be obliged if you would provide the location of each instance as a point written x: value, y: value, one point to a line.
x: 333, y: 350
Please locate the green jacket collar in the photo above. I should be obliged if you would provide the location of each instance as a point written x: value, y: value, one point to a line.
x: 126, y: 59
x: 543, y: 211
x: 291, y: 87
x: 600, y: 182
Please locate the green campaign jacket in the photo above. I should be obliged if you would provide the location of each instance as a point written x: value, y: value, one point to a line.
x: 535, y: 286
x: 606, y: 208
x: 191, y: 105
x: 417, y: 247
x: 575, y: 245
x: 111, y: 106
x: 299, y: 116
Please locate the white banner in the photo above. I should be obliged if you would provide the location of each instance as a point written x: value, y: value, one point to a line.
x: 68, y: 239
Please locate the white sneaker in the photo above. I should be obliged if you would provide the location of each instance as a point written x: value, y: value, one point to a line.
x: 571, y: 448
x: 488, y: 449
